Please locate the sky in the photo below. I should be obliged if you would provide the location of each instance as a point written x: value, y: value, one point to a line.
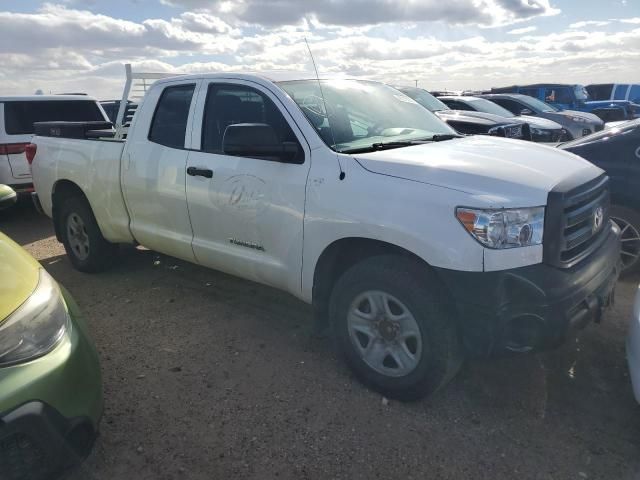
x: 82, y: 45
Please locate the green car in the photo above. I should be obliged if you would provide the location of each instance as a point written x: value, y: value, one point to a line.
x: 7, y: 196
x: 50, y: 384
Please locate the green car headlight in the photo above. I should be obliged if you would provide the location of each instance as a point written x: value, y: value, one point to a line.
x: 36, y: 326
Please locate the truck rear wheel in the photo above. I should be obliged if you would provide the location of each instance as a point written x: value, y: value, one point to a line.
x: 629, y: 222
x: 86, y: 248
x: 394, y: 327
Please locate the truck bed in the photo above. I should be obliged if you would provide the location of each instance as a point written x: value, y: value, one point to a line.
x: 94, y: 166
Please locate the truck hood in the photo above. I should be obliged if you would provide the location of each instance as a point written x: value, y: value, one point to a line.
x: 498, y: 172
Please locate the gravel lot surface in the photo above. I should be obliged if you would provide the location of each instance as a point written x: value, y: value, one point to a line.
x: 210, y: 377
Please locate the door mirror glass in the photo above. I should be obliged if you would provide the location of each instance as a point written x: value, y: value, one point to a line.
x: 526, y: 111
x: 8, y: 196
x: 259, y: 140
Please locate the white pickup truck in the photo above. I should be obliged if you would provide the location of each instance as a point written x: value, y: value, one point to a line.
x: 417, y: 246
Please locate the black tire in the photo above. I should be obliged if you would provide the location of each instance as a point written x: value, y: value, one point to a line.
x: 629, y: 222
x: 100, y: 252
x: 422, y: 294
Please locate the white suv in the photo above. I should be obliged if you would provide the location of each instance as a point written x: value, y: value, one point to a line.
x: 17, y: 116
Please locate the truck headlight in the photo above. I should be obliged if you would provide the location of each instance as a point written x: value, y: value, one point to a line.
x: 36, y: 326
x: 504, y: 228
x: 579, y: 119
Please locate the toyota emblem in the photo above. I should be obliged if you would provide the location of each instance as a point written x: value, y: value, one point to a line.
x: 598, y: 219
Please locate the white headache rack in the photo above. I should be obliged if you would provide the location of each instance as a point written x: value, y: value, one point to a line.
x: 135, y: 88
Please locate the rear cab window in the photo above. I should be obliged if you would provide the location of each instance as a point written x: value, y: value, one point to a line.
x: 20, y: 115
x: 169, y: 123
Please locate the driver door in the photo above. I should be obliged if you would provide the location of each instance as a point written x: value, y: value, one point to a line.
x: 246, y: 212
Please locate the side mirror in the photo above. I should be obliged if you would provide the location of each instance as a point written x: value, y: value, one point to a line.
x: 259, y: 140
x: 8, y: 197
x: 526, y: 111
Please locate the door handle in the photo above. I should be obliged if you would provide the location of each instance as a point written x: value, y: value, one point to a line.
x: 199, y: 172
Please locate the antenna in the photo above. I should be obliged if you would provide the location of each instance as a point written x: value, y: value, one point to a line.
x: 326, y: 111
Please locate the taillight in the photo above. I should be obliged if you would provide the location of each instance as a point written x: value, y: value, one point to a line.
x: 12, y: 148
x: 30, y: 152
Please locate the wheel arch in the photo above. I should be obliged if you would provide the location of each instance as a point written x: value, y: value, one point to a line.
x: 62, y: 190
x: 337, y: 258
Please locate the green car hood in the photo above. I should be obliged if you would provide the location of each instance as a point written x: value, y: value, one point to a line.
x: 18, y: 276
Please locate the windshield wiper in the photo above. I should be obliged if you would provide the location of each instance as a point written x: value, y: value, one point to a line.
x: 445, y: 136
x: 402, y: 143
x: 384, y: 146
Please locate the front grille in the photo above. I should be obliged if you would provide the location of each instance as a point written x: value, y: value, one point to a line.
x: 21, y: 459
x: 576, y: 222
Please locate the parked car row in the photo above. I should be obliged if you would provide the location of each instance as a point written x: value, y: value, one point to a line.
x: 576, y: 97
x: 419, y: 237
x: 470, y: 121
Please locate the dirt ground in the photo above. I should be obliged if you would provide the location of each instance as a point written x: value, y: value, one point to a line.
x: 210, y: 377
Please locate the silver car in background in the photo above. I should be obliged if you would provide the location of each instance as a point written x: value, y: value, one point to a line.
x: 578, y: 124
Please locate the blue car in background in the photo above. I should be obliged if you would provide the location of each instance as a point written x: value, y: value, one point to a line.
x: 614, y: 91
x: 576, y: 97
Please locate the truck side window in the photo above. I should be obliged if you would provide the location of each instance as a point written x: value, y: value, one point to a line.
x: 231, y: 104
x: 169, y: 124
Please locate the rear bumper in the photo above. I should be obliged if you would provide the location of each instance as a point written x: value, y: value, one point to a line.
x: 36, y: 442
x: 535, y: 307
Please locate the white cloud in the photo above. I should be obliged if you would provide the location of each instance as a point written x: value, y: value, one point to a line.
x: 368, y: 12
x: 589, y: 23
x: 64, y: 49
x: 520, y: 31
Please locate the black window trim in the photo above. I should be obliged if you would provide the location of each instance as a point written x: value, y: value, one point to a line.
x: 155, y: 111
x: 213, y: 83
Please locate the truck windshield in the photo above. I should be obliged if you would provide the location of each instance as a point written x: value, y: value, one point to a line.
x: 357, y: 114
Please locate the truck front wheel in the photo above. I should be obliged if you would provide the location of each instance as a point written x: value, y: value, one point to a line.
x: 394, y: 327
x: 86, y: 248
